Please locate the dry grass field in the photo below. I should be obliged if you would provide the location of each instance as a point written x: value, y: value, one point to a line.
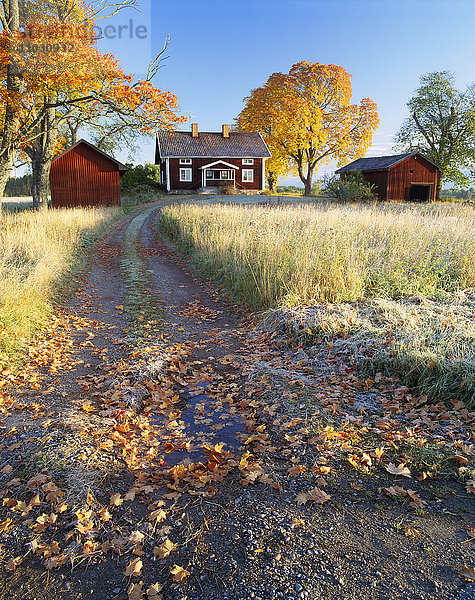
x: 395, y: 281
x: 37, y: 252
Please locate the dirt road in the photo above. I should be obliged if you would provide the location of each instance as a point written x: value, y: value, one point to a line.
x: 160, y: 443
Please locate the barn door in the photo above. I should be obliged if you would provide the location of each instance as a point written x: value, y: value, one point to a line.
x: 420, y: 192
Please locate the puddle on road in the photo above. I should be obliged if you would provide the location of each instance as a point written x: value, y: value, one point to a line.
x: 203, y: 420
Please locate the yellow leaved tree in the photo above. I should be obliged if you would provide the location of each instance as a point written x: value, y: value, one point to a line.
x: 307, y: 119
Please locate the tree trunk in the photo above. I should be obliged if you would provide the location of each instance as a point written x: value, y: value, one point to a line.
x: 271, y: 181
x: 11, y: 119
x: 307, y: 181
x: 40, y: 181
x: 6, y: 163
x: 41, y: 154
x: 438, y: 188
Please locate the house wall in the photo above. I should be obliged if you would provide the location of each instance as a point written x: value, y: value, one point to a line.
x: 413, y: 170
x: 176, y: 184
x: 83, y: 177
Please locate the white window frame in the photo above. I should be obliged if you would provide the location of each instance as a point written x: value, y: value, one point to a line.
x: 247, y: 161
x: 248, y: 175
x: 186, y: 161
x: 186, y: 175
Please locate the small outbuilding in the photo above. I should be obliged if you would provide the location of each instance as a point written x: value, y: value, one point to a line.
x: 411, y: 177
x: 83, y: 175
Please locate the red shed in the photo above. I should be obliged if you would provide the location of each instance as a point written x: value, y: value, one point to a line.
x: 410, y: 177
x: 83, y: 175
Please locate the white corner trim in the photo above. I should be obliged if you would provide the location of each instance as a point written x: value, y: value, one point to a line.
x: 168, y: 174
x: 263, y: 175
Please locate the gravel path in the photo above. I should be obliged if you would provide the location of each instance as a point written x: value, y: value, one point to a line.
x: 227, y: 430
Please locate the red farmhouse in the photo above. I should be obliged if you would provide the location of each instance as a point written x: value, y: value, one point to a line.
x: 410, y: 177
x: 209, y: 161
x: 84, y: 176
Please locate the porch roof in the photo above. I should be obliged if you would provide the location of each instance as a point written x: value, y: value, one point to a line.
x: 219, y: 162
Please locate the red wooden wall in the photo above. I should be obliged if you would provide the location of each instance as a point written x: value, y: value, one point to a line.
x: 380, y: 181
x: 176, y: 184
x: 413, y: 170
x: 84, y: 177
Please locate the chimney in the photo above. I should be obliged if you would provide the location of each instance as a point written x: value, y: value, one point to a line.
x: 225, y: 130
x: 194, y: 130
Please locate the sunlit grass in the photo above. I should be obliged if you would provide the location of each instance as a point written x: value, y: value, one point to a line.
x: 38, y: 250
x: 350, y: 256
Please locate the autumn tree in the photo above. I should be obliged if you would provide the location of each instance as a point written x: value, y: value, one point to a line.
x: 64, y: 83
x: 441, y: 125
x: 306, y: 118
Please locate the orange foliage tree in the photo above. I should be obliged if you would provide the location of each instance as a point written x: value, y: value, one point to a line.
x: 307, y: 119
x: 61, y: 72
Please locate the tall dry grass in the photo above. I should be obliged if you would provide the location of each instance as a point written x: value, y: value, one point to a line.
x: 359, y: 264
x: 302, y: 255
x: 38, y: 251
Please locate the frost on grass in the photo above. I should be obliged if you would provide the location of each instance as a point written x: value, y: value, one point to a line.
x: 429, y: 343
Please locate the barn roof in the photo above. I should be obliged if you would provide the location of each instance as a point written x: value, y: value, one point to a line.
x: 379, y: 163
x: 176, y: 144
x: 121, y: 167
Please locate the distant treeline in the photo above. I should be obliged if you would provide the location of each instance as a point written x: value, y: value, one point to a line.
x: 458, y: 194
x: 289, y: 189
x: 18, y: 186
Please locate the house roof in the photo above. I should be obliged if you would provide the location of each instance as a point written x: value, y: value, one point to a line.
x: 379, y: 163
x: 121, y: 167
x: 177, y: 144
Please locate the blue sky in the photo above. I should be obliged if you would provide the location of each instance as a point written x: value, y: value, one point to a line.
x: 220, y: 50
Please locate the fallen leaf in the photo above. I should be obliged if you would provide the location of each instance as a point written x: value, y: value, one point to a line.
x: 116, y: 500
x: 134, y: 568
x: 136, y: 537
x: 135, y: 591
x: 13, y: 563
x: 153, y: 592
x: 178, y: 573
x: 400, y: 470
x: 166, y: 549
x: 302, y: 498
x: 468, y: 573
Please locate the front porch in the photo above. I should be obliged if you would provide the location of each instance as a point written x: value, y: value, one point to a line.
x: 218, y: 174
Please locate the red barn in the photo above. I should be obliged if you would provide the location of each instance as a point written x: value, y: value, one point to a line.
x: 410, y: 177
x: 83, y: 175
x: 208, y: 161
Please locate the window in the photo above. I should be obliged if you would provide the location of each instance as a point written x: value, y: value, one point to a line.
x: 185, y: 174
x: 225, y: 175
x: 247, y: 161
x: 209, y: 174
x: 248, y: 175
x: 185, y: 161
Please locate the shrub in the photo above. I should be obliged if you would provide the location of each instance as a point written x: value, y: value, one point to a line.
x: 230, y: 190
x: 139, y: 176
x: 350, y: 188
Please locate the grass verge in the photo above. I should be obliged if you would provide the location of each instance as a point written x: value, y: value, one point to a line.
x: 392, y: 284
x: 142, y: 306
x: 40, y: 252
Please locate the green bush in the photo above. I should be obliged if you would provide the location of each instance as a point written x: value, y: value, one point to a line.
x: 351, y: 187
x: 139, y: 176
